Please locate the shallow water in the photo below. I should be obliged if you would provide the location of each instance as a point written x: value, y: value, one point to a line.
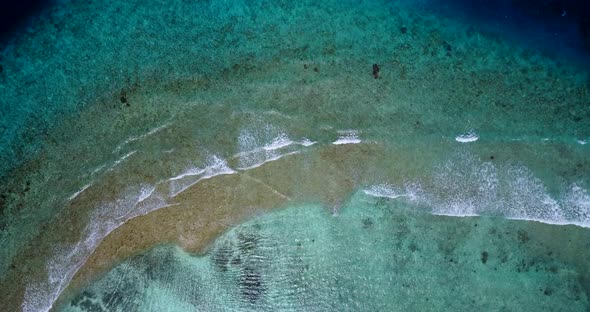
x: 373, y: 255
x: 139, y: 149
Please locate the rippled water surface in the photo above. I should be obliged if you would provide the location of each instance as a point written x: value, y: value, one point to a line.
x: 296, y: 156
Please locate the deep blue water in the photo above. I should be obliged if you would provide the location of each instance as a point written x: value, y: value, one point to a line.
x: 17, y: 15
x: 558, y: 27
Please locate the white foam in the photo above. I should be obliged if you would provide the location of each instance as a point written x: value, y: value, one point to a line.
x: 468, y: 137
x: 192, y: 171
x: 127, y: 141
x: 148, y: 201
x: 139, y: 137
x: 80, y: 191
x: 388, y: 191
x: 67, y: 260
x: 582, y: 142
x: 278, y: 143
x: 157, y: 129
x: 578, y: 201
x: 247, y: 141
x: 124, y: 157
x: 460, y: 185
x: 342, y: 141
x: 249, y: 144
x: 277, y: 157
x: 97, y: 169
x: 216, y: 166
x: 467, y: 186
x: 253, y: 152
x: 455, y: 213
x: 347, y: 137
x: 121, y: 159
x: 146, y: 192
x: 307, y: 142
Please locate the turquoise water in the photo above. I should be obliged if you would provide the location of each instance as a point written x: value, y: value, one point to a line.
x: 277, y: 155
x: 373, y: 255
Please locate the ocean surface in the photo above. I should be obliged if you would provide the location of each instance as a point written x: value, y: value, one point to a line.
x: 269, y: 155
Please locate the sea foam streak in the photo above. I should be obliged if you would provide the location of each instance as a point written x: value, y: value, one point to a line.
x: 389, y: 191
x: 268, y: 159
x: 468, y: 137
x: 215, y: 166
x: 253, y: 153
x: 307, y: 142
x: 466, y: 186
x: 139, y: 137
x: 347, y: 137
x: 67, y: 261
x: 278, y: 143
x: 120, y: 160
x: 80, y: 191
x: 579, y: 200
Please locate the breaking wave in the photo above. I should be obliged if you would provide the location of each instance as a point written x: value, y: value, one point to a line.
x: 471, y: 187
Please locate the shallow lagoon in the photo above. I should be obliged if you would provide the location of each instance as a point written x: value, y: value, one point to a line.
x: 383, y: 158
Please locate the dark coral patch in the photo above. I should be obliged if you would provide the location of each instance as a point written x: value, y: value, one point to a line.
x: 376, y: 70
x: 251, y: 287
x: 221, y: 258
x: 484, y: 257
